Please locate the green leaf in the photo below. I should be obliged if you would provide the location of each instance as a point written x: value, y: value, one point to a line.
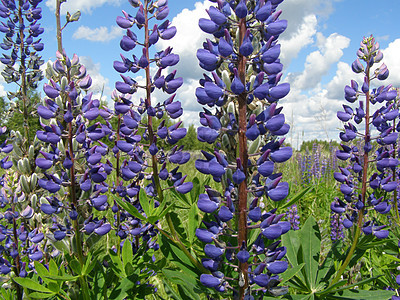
x: 165, y: 211
x: 37, y: 295
x: 130, y: 208
x: 53, y: 268
x: 125, y: 285
x: 53, y: 286
x: 75, y: 266
x: 40, y: 269
x: 254, y: 145
x: 297, y: 197
x: 89, y: 264
x: 183, y: 280
x: 364, y: 295
x: 63, y: 277
x: 169, y: 290
x: 290, y: 272
x: 181, y: 197
x: 327, y: 269
x: 195, y: 192
x: 391, y: 257
x: 310, y: 238
x: 347, y: 287
x: 253, y: 235
x: 299, y: 297
x: 144, y: 202
x: 193, y: 223
x: 177, y: 257
x: 127, y: 252
x: 292, y: 243
x: 32, y: 285
x: 129, y: 270
x: 117, y: 264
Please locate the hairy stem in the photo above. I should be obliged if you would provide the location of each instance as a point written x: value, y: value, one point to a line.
x: 22, y: 70
x: 17, y: 263
x: 243, y: 155
x: 59, y: 29
x: 117, y: 183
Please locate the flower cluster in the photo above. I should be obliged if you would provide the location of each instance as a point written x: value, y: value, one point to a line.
x: 145, y: 140
x: 245, y: 126
x: 23, y: 40
x: 19, y: 244
x: 379, y: 137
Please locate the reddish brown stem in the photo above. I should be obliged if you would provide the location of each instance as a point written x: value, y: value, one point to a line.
x: 243, y: 155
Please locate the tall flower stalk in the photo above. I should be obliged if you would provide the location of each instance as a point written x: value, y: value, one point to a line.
x: 363, y: 194
x: 22, y: 66
x: 245, y: 129
x: 143, y: 160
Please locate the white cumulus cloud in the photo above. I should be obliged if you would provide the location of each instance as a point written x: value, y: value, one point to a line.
x: 392, y: 60
x: 188, y: 39
x: 318, y: 63
x: 301, y: 38
x: 86, y: 6
x: 99, y: 34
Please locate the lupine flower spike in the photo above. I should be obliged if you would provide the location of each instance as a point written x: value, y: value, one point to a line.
x: 245, y: 129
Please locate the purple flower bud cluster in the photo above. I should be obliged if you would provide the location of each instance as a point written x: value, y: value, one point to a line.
x: 22, y: 31
x: 245, y: 127
x: 379, y: 139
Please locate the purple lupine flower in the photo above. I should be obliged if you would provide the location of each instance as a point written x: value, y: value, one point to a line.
x: 229, y: 136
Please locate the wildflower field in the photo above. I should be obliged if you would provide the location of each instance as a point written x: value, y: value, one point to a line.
x: 117, y: 199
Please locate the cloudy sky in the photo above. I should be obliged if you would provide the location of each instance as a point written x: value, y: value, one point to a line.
x: 317, y: 51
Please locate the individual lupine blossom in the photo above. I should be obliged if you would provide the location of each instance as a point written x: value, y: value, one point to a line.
x: 380, y: 126
x: 293, y: 217
x: 141, y: 158
x: 22, y: 30
x: 242, y: 92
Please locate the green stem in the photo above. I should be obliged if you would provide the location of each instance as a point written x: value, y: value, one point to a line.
x: 352, y: 249
x: 84, y: 287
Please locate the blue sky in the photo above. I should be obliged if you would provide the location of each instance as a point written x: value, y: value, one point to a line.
x: 317, y: 51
